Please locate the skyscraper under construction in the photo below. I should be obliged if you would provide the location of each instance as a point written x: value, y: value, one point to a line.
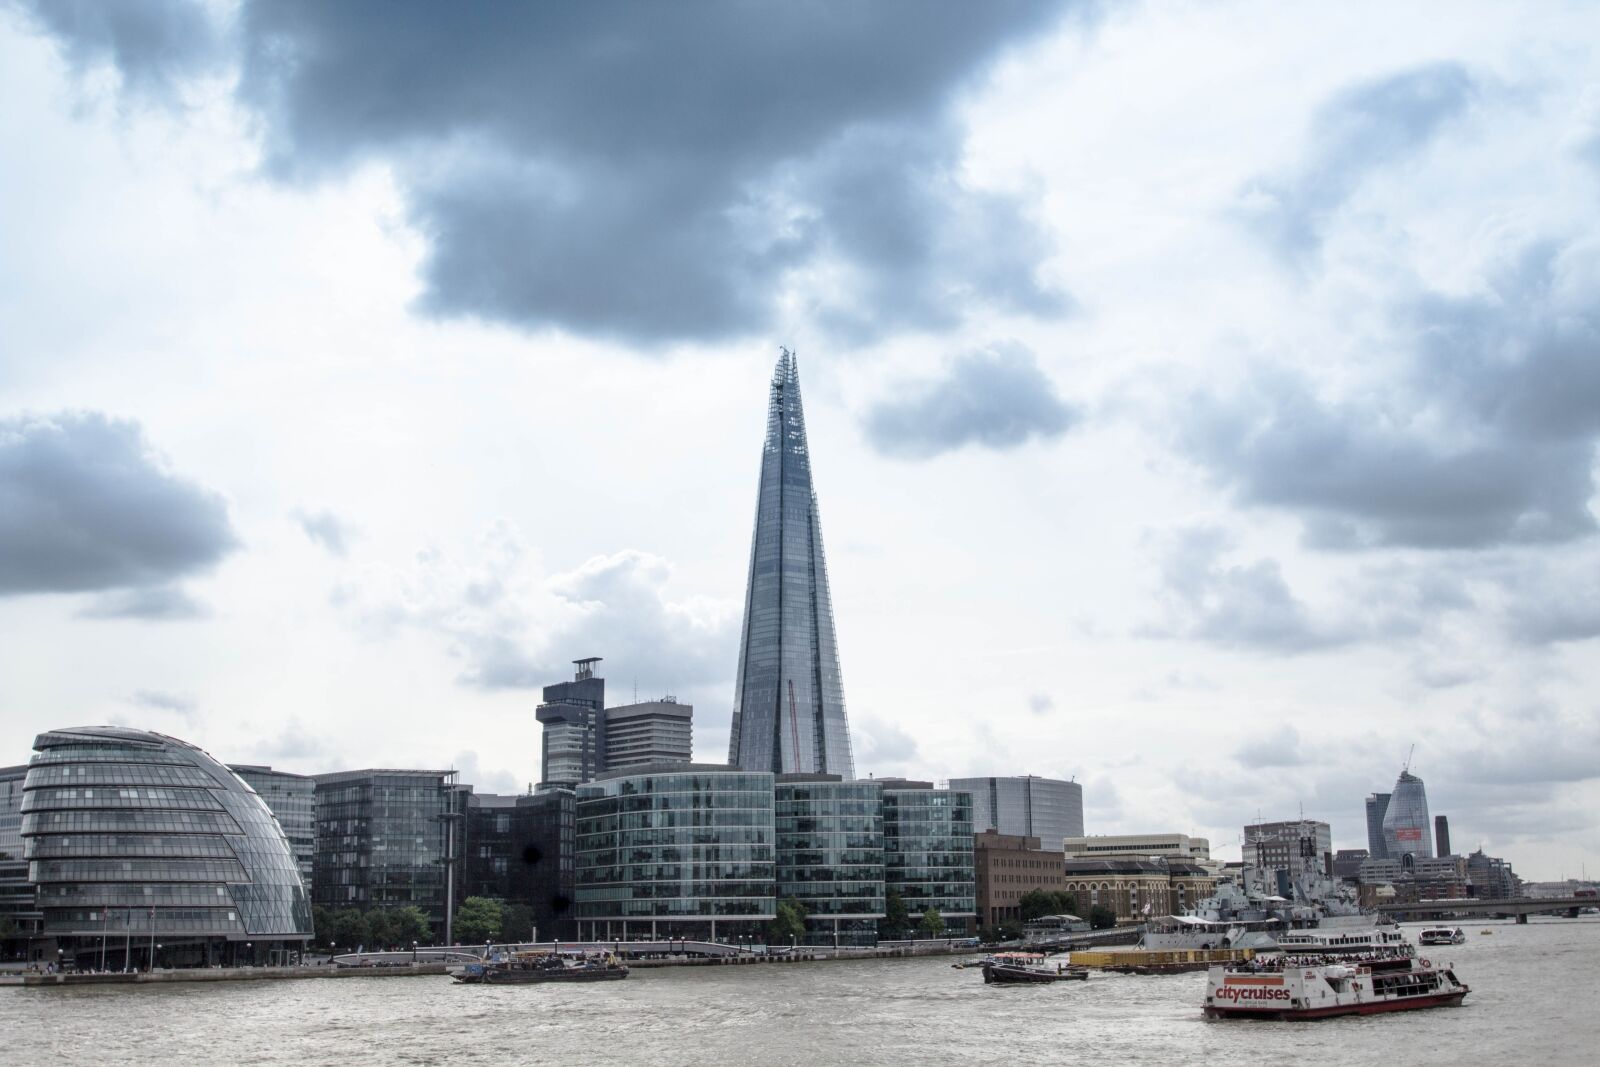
x: 788, y: 712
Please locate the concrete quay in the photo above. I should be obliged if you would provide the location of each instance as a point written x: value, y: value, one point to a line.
x: 218, y: 974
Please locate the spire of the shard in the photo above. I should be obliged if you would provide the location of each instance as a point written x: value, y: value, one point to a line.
x: 788, y: 711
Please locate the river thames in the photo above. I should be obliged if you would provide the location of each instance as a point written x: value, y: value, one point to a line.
x: 1535, y: 1000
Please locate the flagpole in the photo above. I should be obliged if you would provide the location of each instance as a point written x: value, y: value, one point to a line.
x: 152, y: 937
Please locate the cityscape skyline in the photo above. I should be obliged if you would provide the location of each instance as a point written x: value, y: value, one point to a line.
x: 1209, y: 452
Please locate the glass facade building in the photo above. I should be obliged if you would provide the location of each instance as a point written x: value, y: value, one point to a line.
x: 928, y: 853
x: 292, y: 798
x: 1377, y: 807
x: 387, y: 839
x: 675, y: 850
x: 519, y: 849
x: 1406, y: 829
x: 788, y: 711
x: 1026, y: 806
x: 830, y: 855
x: 135, y: 839
x: 19, y: 917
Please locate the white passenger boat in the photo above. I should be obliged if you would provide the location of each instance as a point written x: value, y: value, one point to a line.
x: 1442, y: 935
x: 1304, y: 987
x: 1343, y: 940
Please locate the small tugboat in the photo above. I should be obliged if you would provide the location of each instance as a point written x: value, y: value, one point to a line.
x: 527, y: 967
x: 1442, y: 935
x: 1314, y: 987
x: 1022, y: 968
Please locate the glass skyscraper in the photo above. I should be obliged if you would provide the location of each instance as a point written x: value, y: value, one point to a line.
x: 1405, y: 823
x: 788, y: 712
x: 1377, y: 808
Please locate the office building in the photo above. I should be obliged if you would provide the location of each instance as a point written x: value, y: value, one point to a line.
x: 574, y: 728
x: 1406, y: 831
x: 387, y: 839
x: 1291, y: 847
x: 830, y: 855
x: 1347, y: 862
x: 140, y: 844
x: 583, y: 739
x: 675, y: 850
x: 1417, y: 878
x: 1139, y: 846
x: 1441, y: 835
x: 292, y: 800
x: 788, y: 711
x: 655, y: 731
x: 1492, y: 878
x: 1026, y: 806
x: 19, y: 917
x: 1007, y: 867
x: 927, y: 851
x: 520, y: 850
x: 1377, y: 807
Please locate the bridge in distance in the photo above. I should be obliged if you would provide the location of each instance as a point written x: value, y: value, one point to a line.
x: 1520, y: 907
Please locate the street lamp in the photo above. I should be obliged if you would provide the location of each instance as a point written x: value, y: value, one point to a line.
x: 413, y: 953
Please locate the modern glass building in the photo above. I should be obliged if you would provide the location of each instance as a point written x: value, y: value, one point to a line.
x: 1026, y: 806
x: 1406, y: 830
x: 788, y: 711
x: 1377, y: 807
x: 519, y: 850
x: 19, y: 916
x: 675, y: 850
x: 928, y: 852
x: 143, y: 848
x: 830, y: 855
x: 388, y: 839
x: 573, y: 717
x: 292, y: 798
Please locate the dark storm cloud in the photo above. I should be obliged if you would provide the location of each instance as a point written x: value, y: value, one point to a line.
x: 997, y: 398
x: 155, y: 44
x: 1358, y: 130
x: 86, y: 504
x: 1485, y: 437
x: 1244, y: 605
x: 646, y: 171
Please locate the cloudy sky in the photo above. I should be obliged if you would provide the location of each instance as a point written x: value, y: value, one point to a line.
x: 1203, y: 397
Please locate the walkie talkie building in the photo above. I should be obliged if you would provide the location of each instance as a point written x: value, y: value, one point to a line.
x: 788, y: 712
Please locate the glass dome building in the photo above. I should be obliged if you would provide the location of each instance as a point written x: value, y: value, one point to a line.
x: 145, y: 850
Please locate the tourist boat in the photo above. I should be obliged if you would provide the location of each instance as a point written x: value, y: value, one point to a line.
x: 1343, y: 940
x: 1305, y: 987
x: 1442, y: 935
x: 526, y: 967
x: 1028, y: 967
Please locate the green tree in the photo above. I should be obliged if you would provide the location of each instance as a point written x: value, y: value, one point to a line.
x: 896, y: 920
x: 932, y: 924
x: 1102, y: 917
x: 321, y: 924
x: 411, y: 924
x: 380, y: 928
x: 347, y: 928
x: 790, y: 923
x: 478, y: 920
x: 1037, y: 903
x: 516, y: 923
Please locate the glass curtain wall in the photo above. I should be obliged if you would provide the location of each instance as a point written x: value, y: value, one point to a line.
x: 1406, y: 829
x: 681, y: 853
x: 830, y: 857
x: 928, y: 853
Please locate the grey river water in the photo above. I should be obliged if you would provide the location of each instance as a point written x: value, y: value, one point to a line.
x: 1535, y: 1000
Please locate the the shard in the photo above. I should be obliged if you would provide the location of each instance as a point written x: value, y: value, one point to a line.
x: 788, y: 711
